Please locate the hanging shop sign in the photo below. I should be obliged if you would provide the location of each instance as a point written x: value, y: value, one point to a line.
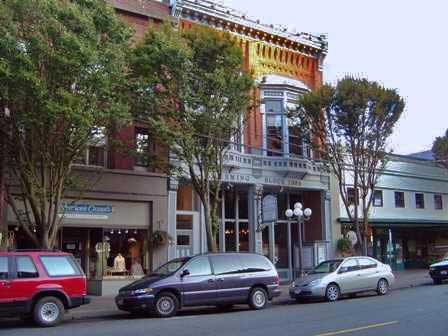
x: 85, y: 211
x: 269, y: 209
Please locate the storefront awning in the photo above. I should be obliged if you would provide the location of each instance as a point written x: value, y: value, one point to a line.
x: 401, y: 222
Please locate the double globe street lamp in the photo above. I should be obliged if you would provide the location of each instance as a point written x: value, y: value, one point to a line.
x: 302, y: 216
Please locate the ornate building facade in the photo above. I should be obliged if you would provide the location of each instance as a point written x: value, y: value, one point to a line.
x: 268, y: 157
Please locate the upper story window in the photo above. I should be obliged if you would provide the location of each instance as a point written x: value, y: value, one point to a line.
x: 419, y: 201
x: 95, y: 154
x: 378, y: 198
x: 142, y: 146
x: 399, y: 199
x: 438, y: 202
x: 274, y: 127
x: 351, y: 195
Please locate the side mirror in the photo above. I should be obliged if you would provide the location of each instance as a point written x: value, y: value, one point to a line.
x: 184, y: 273
x: 343, y: 270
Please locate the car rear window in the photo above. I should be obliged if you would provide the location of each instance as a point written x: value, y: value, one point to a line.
x: 255, y: 263
x: 3, y: 267
x: 60, y: 266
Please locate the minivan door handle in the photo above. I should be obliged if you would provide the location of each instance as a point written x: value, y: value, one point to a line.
x: 211, y: 280
x: 220, y: 279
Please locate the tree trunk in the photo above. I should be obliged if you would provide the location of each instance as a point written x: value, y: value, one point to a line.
x: 3, y: 220
x: 211, y: 243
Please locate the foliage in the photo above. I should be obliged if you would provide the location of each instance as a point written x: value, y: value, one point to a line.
x: 350, y: 124
x: 192, y: 89
x: 440, y: 148
x: 62, y: 82
x: 160, y: 238
x: 344, y: 245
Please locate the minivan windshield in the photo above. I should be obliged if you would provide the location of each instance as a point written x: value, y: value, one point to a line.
x: 326, y: 267
x: 171, y: 266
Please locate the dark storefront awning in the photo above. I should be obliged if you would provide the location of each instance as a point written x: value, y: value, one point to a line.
x: 395, y: 222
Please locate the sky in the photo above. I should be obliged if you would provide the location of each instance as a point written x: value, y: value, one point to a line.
x: 400, y: 43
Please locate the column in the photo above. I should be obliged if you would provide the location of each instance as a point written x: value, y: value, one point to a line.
x: 172, y: 208
x: 255, y: 237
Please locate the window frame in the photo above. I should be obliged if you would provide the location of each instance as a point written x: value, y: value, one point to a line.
x: 354, y: 195
x: 345, y: 262
x: 9, y: 266
x: 423, y: 201
x: 86, y: 153
x: 141, y: 152
x: 435, y: 202
x: 239, y: 271
x: 380, y: 191
x: 72, y: 262
x: 372, y: 264
x: 395, y: 200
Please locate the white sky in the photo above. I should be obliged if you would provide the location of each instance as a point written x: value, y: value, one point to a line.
x: 401, y: 43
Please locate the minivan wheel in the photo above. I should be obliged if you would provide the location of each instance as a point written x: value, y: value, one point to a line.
x: 382, y: 287
x: 48, y: 312
x: 332, y: 293
x: 166, y: 305
x: 258, y: 298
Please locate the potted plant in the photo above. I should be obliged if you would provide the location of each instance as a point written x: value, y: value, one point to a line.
x: 160, y: 238
x: 344, y: 246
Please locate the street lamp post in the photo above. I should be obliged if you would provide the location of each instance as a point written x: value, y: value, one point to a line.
x: 302, y: 216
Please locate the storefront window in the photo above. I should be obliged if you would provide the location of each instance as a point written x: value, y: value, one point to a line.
x: 230, y: 234
x: 244, y: 236
x: 243, y: 211
x: 230, y: 204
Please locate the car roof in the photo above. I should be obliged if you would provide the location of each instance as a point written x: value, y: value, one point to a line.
x: 34, y: 252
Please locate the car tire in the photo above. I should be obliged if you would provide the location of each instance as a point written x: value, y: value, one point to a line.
x: 166, y: 305
x: 332, y: 293
x: 48, y: 312
x: 382, y: 287
x: 437, y: 281
x: 258, y: 298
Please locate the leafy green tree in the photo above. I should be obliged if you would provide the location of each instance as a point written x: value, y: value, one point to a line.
x: 440, y: 149
x: 192, y: 89
x: 350, y: 124
x: 62, y: 82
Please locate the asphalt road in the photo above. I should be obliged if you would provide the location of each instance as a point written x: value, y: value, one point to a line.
x: 415, y: 311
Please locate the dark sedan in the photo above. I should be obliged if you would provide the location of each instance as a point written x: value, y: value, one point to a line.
x: 220, y: 279
x: 439, y: 271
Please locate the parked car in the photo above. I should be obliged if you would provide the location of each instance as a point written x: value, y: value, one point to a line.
x: 220, y: 279
x: 40, y: 285
x: 439, y: 271
x: 333, y: 278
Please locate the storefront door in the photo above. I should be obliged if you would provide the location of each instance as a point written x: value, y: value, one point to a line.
x: 187, y: 226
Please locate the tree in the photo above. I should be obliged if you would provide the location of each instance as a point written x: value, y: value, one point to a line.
x: 350, y: 124
x: 62, y: 84
x: 192, y: 89
x: 440, y: 149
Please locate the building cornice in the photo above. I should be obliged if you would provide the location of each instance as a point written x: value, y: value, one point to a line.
x: 224, y: 18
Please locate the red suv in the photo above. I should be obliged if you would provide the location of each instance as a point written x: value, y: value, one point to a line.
x: 40, y: 285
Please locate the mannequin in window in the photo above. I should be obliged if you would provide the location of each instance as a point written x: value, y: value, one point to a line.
x: 119, y: 263
x: 136, y: 268
x: 102, y: 253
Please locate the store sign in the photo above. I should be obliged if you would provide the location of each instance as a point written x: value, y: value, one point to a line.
x: 269, y: 209
x: 267, y: 180
x: 85, y: 211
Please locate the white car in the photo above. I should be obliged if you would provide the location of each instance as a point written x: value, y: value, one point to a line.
x: 333, y: 278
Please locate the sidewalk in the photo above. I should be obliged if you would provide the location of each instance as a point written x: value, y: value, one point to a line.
x: 104, y: 306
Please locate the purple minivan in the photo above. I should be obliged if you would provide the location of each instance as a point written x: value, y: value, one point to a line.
x: 214, y: 279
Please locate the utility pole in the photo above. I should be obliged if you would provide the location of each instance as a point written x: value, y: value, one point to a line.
x: 3, y: 221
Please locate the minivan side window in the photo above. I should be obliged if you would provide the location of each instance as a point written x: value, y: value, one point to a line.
x: 3, y: 267
x: 199, y: 266
x: 226, y: 264
x: 26, y: 268
x: 59, y: 266
x: 254, y: 263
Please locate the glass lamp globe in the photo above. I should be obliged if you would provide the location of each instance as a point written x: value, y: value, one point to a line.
x: 298, y: 205
x: 298, y: 212
x: 289, y: 213
x: 307, y: 212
